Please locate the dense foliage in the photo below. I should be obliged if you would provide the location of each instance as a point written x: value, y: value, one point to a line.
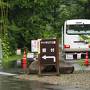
x: 33, y: 19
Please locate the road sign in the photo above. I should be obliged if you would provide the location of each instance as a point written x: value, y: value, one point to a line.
x: 34, y: 46
x: 49, y: 54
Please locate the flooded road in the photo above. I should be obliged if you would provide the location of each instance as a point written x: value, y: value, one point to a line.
x: 13, y: 83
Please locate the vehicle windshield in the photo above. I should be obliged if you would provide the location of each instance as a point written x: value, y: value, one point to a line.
x: 78, y: 29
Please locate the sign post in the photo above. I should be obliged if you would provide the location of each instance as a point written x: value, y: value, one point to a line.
x: 49, y: 54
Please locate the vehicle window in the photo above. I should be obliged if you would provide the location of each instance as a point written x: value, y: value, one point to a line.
x: 78, y: 29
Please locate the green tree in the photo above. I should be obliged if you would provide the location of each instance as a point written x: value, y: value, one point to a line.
x: 33, y: 19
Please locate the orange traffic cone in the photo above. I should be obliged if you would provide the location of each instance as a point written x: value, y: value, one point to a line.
x: 24, y: 61
x: 86, y: 59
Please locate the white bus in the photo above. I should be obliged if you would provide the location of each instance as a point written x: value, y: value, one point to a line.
x: 76, y: 39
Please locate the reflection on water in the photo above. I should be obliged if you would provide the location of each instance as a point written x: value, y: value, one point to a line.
x: 11, y: 83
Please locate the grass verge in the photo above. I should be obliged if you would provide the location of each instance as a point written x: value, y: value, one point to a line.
x: 10, y: 61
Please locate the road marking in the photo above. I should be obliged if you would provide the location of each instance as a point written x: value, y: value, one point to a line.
x: 7, y: 74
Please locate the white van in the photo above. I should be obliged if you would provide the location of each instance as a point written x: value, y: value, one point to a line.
x: 76, y: 39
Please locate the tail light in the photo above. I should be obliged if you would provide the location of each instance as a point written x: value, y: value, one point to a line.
x: 66, y: 46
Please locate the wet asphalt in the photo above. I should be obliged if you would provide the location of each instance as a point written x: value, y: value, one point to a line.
x: 12, y: 83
